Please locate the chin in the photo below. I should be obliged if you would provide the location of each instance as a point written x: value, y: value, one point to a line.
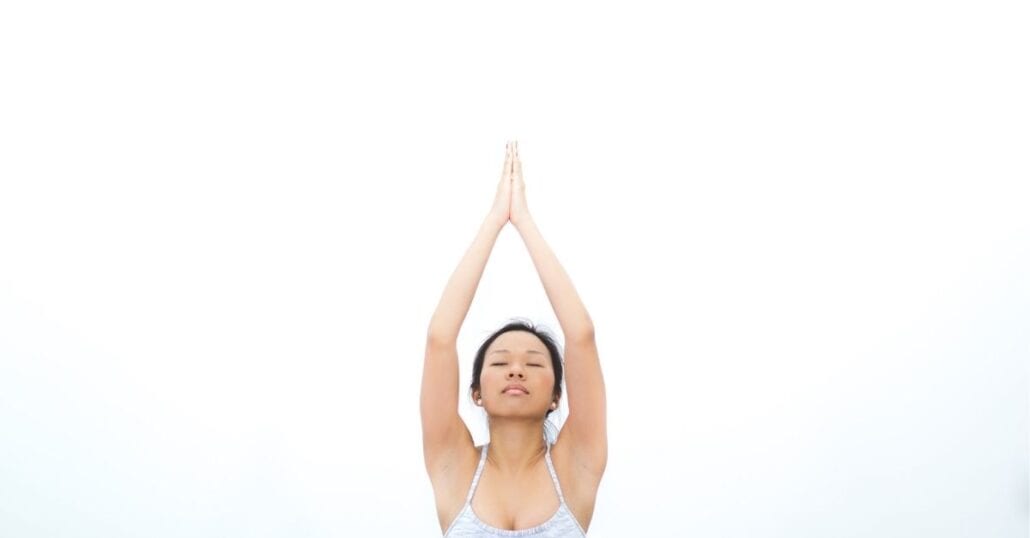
x: 520, y: 413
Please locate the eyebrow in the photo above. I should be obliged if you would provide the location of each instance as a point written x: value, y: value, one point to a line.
x: 509, y: 351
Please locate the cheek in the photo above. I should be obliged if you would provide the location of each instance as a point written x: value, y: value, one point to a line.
x: 489, y: 377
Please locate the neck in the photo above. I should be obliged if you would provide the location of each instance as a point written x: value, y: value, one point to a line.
x: 515, y: 444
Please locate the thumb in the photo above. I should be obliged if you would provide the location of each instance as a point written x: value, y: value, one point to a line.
x: 517, y: 169
x: 516, y: 177
x: 508, y: 158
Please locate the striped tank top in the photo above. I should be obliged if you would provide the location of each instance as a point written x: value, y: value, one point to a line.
x: 561, y: 525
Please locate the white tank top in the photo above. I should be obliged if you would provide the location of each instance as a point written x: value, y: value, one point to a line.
x: 561, y: 525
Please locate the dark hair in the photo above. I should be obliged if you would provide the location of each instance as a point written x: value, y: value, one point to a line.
x: 521, y: 325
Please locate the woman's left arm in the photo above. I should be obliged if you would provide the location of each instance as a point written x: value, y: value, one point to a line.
x: 586, y: 425
x: 572, y: 315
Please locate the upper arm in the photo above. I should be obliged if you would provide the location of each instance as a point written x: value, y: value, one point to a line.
x: 444, y: 433
x: 584, y: 436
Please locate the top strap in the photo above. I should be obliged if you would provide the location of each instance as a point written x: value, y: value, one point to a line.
x: 479, y: 471
x: 554, y: 475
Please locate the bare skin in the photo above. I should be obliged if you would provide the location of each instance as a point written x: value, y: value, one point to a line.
x: 515, y: 489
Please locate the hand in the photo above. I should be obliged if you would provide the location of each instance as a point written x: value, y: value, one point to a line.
x: 519, y: 211
x: 502, y: 201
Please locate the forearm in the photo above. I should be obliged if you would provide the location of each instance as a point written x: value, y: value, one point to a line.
x: 461, y: 287
x: 572, y: 314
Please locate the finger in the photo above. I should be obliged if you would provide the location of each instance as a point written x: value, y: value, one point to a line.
x: 507, y: 160
x: 509, y: 163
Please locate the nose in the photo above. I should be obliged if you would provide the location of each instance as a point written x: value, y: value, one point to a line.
x: 515, y: 372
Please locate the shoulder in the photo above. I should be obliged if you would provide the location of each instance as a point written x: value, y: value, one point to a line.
x: 584, y: 455
x: 570, y: 463
x: 456, y: 467
x: 579, y: 483
x: 451, y: 480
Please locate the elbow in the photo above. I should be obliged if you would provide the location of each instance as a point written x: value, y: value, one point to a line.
x: 581, y: 334
x: 437, y: 337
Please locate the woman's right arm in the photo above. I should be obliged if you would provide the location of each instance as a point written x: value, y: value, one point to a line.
x: 444, y: 434
x: 461, y: 288
x: 443, y: 430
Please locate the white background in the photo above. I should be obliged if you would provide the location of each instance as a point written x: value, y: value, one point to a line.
x: 800, y: 229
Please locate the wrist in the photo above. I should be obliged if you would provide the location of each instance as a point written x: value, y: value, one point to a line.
x: 524, y: 221
x: 494, y: 220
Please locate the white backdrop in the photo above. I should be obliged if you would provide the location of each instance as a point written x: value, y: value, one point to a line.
x: 800, y: 229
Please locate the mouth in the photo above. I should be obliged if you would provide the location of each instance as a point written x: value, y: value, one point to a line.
x: 515, y: 390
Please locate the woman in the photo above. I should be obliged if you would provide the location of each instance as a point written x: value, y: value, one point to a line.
x: 518, y: 484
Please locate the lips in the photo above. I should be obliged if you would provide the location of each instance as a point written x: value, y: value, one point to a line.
x: 517, y: 388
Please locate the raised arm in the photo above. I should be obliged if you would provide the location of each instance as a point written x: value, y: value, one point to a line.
x: 443, y: 431
x: 457, y: 297
x: 585, y: 434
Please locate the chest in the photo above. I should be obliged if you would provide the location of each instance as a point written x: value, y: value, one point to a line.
x: 515, y: 502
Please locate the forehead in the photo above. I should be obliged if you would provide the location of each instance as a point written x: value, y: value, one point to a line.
x: 518, y: 342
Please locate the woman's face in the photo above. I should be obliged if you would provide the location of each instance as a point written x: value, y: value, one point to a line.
x: 517, y: 358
